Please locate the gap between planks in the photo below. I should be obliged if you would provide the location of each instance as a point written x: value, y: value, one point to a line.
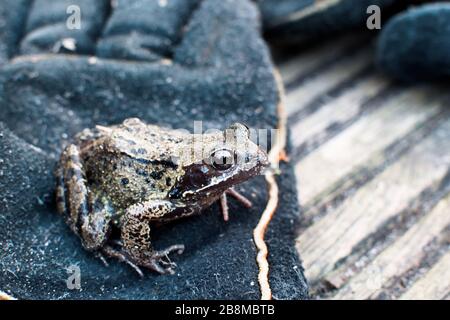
x: 339, y: 110
x: 318, y: 85
x: 320, y: 172
x: 435, y: 284
x: 318, y: 57
x: 401, y: 256
x: 387, y: 233
x: 333, y: 237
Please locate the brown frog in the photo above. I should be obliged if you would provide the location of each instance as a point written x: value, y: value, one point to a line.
x: 132, y: 176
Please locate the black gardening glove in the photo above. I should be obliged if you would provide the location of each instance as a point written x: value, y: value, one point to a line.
x: 413, y: 43
x: 168, y: 62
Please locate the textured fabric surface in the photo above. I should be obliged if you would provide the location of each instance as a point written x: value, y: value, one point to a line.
x: 209, y: 65
x: 415, y: 45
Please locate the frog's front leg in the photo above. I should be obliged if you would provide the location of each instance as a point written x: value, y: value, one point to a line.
x: 224, y: 202
x: 136, y: 236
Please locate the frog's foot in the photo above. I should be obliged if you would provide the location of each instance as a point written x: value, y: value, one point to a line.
x: 239, y: 197
x: 159, y: 260
x: 102, y: 258
x: 113, y: 253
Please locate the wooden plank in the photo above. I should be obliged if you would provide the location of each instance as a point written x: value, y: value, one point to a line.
x: 318, y: 85
x: 403, y: 255
x: 435, y: 284
x: 386, y: 235
x: 338, y: 110
x: 313, y: 59
x: 334, y: 236
x: 321, y: 170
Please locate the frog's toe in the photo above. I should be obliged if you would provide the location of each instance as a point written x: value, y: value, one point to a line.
x: 160, y: 262
x: 157, y: 261
x: 102, y: 259
x: 156, y: 264
x: 178, y: 248
x: 167, y: 263
x: 112, y: 253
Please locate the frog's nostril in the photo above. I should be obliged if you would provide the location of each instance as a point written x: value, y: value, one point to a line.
x: 262, y: 159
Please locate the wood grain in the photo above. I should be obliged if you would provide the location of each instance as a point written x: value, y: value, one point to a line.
x: 404, y: 254
x: 333, y: 237
x: 320, y: 171
x: 372, y: 160
x: 312, y: 59
x: 318, y: 85
x: 434, y: 285
x: 339, y: 110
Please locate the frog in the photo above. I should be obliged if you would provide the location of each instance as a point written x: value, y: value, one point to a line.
x: 115, y: 183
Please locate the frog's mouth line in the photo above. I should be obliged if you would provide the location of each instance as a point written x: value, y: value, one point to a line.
x: 229, y: 180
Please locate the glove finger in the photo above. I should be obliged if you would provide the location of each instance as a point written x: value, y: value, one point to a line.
x: 221, y: 34
x: 12, y: 25
x: 144, y: 30
x: 63, y: 26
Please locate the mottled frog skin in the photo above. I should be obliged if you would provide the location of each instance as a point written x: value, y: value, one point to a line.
x: 132, y: 176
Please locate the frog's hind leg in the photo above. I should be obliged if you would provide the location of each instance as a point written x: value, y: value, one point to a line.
x: 136, y: 236
x: 224, y: 203
x: 71, y: 192
x: 88, y: 216
x: 96, y: 226
x: 60, y: 191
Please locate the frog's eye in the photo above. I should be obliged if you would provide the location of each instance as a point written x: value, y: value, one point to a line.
x: 222, y: 159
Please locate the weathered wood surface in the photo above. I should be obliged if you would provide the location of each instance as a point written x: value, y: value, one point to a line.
x: 372, y: 159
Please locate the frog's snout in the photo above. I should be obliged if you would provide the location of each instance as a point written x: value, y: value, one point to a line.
x: 262, y: 159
